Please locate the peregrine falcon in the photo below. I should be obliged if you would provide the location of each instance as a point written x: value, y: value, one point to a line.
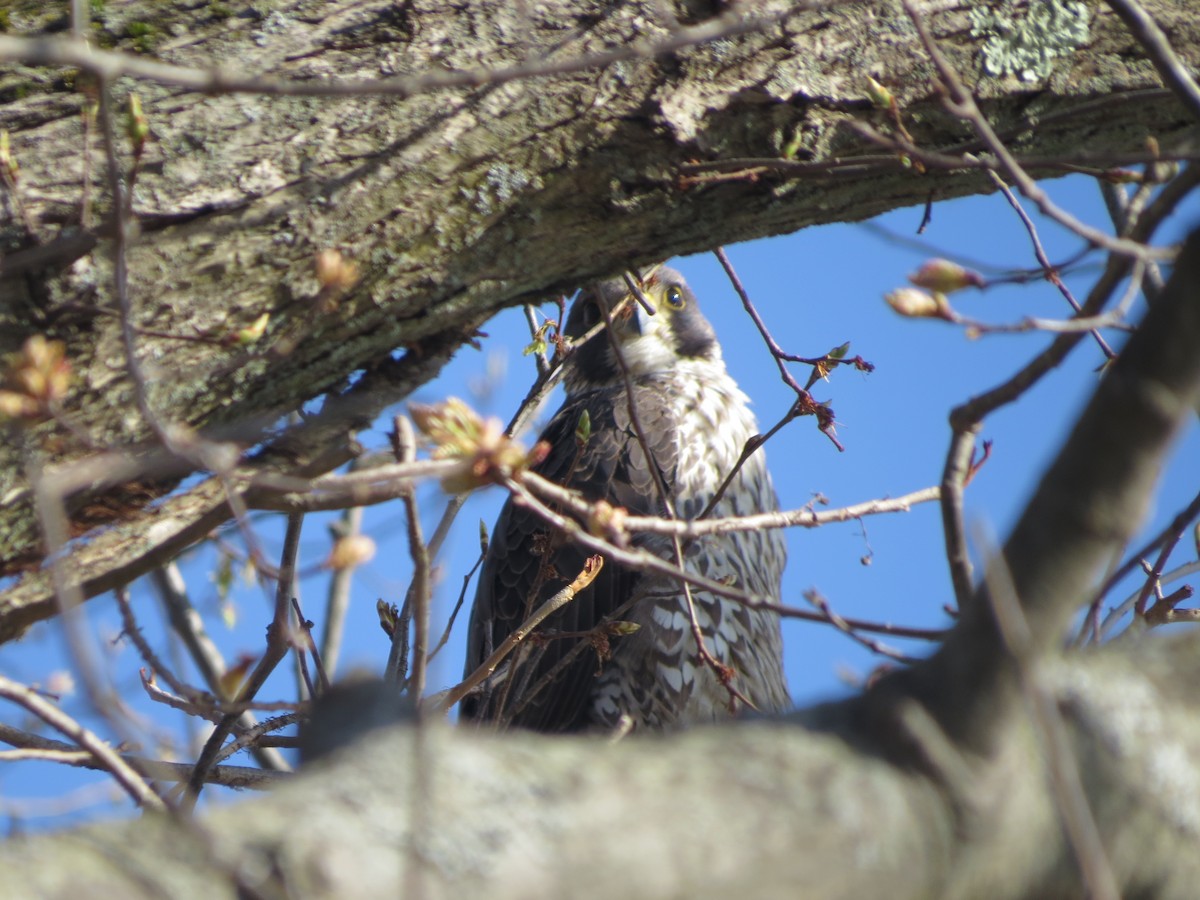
x: 695, y: 422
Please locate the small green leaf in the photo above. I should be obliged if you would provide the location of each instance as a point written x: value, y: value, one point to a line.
x: 792, y: 147
x: 389, y: 616
x: 879, y: 95
x: 539, y: 344
x: 136, y: 125
x: 583, y: 431
x: 223, y: 577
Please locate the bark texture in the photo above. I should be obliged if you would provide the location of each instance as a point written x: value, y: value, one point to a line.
x: 764, y: 810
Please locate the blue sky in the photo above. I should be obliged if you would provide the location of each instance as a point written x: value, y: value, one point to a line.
x: 816, y: 289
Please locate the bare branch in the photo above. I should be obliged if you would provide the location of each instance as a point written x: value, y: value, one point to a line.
x: 1050, y: 273
x: 337, y: 602
x: 420, y: 592
x: 485, y: 670
x: 278, y: 644
x: 826, y: 611
x: 133, y: 783
x: 189, y: 626
x: 805, y: 517
x: 56, y: 751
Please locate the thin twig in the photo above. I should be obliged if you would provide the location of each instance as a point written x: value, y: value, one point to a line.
x: 1124, y: 212
x: 213, y: 708
x: 996, y: 274
x: 555, y: 672
x: 67, y: 757
x: 120, y: 213
x: 900, y: 631
x: 189, y: 626
x: 485, y: 670
x: 955, y: 159
x: 1050, y: 273
x: 227, y: 776
x: 250, y: 736
x: 688, y: 529
x: 278, y: 643
x: 843, y: 625
x: 462, y: 596
x: 1090, y: 324
x: 805, y: 404
x: 404, y: 447
x: 311, y: 690
x: 632, y: 558
x: 539, y: 356
x: 133, y: 631
x: 421, y: 595
x: 337, y: 602
x: 126, y: 776
x: 643, y: 560
x: 631, y: 280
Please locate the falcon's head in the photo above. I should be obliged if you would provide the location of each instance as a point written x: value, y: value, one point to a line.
x: 648, y: 343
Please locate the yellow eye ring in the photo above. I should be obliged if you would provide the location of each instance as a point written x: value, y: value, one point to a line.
x: 675, y: 298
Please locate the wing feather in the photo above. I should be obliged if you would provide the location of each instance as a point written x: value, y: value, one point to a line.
x: 527, y: 564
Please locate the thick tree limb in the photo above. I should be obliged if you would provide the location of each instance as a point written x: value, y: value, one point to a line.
x: 150, y: 537
x: 764, y: 810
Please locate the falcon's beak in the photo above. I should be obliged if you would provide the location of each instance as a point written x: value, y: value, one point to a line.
x: 637, y: 318
x: 630, y: 313
x: 643, y: 307
x: 629, y: 320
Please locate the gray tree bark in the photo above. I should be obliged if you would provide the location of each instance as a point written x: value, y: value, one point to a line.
x: 454, y: 202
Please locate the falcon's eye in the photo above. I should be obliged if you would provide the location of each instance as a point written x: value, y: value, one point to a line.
x: 675, y: 298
